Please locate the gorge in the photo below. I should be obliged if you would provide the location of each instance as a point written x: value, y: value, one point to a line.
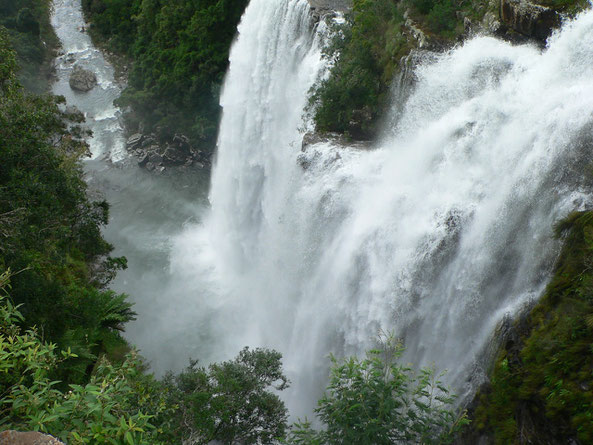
x: 439, y: 234
x: 459, y: 222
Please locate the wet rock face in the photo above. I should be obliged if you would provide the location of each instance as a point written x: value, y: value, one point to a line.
x: 82, y: 80
x: 312, y: 138
x: 156, y: 156
x: 11, y: 437
x: 529, y: 19
x: 321, y: 8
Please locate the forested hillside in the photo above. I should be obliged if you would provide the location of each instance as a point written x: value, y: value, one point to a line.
x: 179, y: 51
x: 32, y: 36
x: 51, y: 230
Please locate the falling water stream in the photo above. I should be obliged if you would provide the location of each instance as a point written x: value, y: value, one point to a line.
x: 438, y: 234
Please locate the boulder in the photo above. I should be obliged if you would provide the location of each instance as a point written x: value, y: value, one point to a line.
x: 142, y: 159
x: 73, y: 114
x: 174, y: 156
x: 177, y: 152
x: 528, y: 18
x: 181, y: 140
x: 155, y: 158
x: 82, y: 80
x: 134, y: 141
x: 12, y: 437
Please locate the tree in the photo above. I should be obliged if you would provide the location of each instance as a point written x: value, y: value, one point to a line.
x: 378, y: 401
x: 51, y: 231
x: 231, y: 402
x: 115, y: 406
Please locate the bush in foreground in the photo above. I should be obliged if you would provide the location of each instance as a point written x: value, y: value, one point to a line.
x: 376, y: 400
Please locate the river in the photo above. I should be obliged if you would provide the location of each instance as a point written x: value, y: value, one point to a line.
x: 147, y: 210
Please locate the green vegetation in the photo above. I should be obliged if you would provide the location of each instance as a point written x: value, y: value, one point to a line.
x: 378, y: 401
x: 110, y: 408
x: 32, y: 36
x: 367, y: 50
x: 50, y: 230
x: 64, y: 367
x: 230, y: 402
x: 568, y: 6
x: 180, y: 54
x: 548, y: 375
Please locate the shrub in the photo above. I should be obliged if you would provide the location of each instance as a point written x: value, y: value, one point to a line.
x: 376, y: 400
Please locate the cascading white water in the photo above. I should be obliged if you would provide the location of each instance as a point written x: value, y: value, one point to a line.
x: 437, y: 234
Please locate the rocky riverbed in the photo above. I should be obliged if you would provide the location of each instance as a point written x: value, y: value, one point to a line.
x: 156, y: 156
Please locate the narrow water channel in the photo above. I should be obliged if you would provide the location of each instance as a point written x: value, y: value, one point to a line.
x: 147, y: 210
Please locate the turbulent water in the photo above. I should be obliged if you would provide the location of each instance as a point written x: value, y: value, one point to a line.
x: 437, y: 234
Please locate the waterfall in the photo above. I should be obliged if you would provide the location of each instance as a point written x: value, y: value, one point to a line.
x: 438, y: 234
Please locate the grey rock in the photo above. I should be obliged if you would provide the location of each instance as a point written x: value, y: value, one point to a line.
x: 147, y: 142
x: 174, y: 156
x: 181, y: 140
x: 11, y: 437
x: 529, y: 19
x: 134, y: 141
x: 322, y: 8
x: 82, y: 80
x: 491, y: 23
x: 155, y: 158
x: 143, y: 160
x: 73, y: 114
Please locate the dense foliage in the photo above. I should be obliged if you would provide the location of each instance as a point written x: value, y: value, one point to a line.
x: 378, y: 401
x: 111, y: 407
x: 49, y: 229
x: 31, y: 35
x: 231, y: 402
x: 180, y: 54
x: 367, y: 50
x: 548, y: 373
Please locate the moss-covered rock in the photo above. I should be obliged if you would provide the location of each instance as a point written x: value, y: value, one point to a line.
x: 541, y: 387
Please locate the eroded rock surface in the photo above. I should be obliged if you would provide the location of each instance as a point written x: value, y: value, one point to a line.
x: 157, y: 156
x: 321, y: 8
x: 12, y: 437
x: 528, y: 18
